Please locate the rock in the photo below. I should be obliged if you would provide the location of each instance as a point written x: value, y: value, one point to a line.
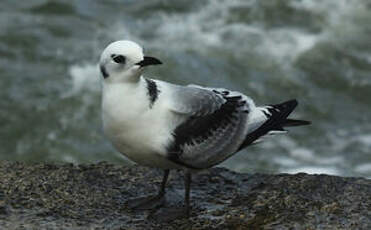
x: 47, y: 196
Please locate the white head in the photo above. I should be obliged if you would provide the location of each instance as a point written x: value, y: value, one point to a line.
x: 123, y: 61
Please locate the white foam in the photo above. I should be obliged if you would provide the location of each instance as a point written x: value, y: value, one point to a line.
x: 285, y: 44
x: 329, y: 7
x: 368, y: 59
x: 313, y: 170
x: 303, y: 154
x: 365, y: 139
x: 287, y: 142
x: 340, y: 142
x: 83, y: 77
x: 69, y: 159
x: 209, y: 28
x: 52, y: 136
x: 285, y: 161
x: 329, y: 160
x: 363, y: 168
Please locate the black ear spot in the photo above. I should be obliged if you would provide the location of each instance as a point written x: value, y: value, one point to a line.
x: 119, y: 59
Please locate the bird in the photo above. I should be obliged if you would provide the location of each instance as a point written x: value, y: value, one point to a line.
x: 168, y: 126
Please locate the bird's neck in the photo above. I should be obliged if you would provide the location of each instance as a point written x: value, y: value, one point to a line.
x: 124, y: 100
x: 128, y: 77
x: 123, y: 88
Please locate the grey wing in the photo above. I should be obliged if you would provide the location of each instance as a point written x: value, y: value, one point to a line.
x: 209, y: 137
x: 194, y: 101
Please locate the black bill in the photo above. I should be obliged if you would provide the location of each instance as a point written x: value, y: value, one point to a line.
x: 149, y: 61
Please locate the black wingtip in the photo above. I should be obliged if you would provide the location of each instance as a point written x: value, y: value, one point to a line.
x: 289, y: 106
x: 285, y: 108
x: 293, y: 122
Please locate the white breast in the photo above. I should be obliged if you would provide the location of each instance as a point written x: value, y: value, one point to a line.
x: 139, y: 132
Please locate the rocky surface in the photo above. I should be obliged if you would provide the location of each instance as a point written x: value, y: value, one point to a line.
x: 46, y: 196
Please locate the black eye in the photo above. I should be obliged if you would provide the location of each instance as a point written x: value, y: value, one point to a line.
x: 119, y: 59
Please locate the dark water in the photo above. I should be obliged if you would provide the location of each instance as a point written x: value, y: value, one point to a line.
x: 316, y: 51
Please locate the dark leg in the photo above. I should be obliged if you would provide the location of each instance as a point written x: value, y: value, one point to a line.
x: 163, y: 183
x: 152, y: 201
x: 187, y: 185
x: 175, y: 212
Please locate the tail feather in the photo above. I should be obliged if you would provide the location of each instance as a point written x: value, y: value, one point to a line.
x: 276, y: 120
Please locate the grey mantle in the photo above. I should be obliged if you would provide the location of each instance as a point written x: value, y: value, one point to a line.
x: 48, y: 196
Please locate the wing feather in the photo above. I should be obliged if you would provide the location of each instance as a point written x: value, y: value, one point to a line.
x: 213, y: 130
x: 195, y: 101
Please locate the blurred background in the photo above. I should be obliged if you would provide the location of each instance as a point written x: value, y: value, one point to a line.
x: 316, y: 51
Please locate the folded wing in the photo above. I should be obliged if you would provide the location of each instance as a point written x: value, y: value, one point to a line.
x: 214, y: 129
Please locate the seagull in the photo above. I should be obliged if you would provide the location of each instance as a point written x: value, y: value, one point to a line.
x: 163, y: 125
